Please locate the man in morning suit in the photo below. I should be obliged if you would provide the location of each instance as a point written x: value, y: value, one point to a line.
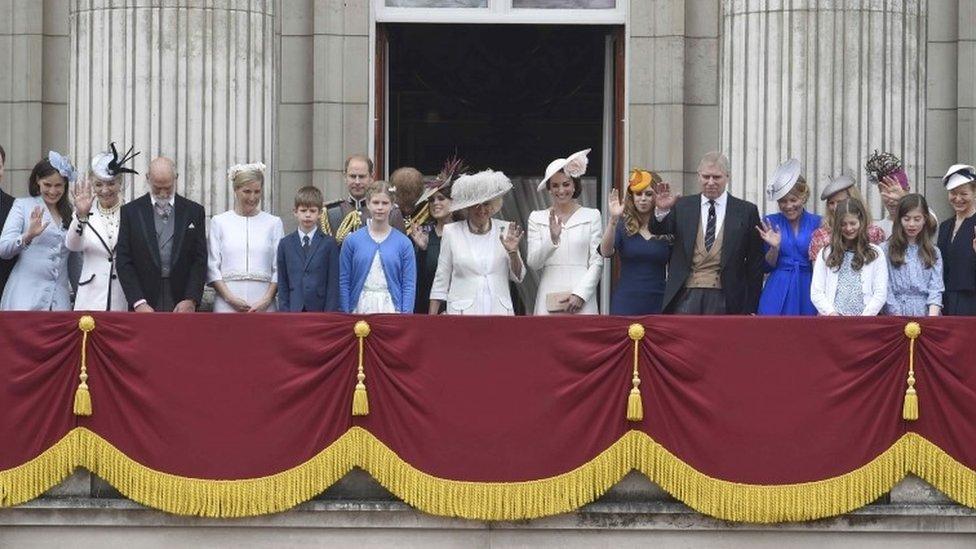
x: 162, y: 248
x: 716, y: 260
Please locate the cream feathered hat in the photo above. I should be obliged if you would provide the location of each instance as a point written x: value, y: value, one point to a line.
x: 471, y: 190
x: 107, y: 165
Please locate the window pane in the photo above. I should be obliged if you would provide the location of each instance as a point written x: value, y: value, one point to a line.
x: 565, y: 4
x: 437, y: 3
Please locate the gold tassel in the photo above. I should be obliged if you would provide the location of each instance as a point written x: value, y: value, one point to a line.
x: 635, y: 404
x: 83, y: 404
x: 909, y: 411
x: 360, y: 400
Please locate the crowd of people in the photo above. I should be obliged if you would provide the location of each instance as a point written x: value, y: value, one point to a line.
x: 436, y: 246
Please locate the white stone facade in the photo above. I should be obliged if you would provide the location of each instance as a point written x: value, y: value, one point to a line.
x: 289, y: 82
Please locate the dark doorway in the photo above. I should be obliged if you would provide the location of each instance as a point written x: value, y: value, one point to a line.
x: 508, y: 97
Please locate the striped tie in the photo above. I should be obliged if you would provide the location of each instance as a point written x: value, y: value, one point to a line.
x: 710, y: 226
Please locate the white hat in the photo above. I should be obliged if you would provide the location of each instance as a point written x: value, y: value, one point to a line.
x: 574, y: 164
x: 783, y: 179
x: 837, y: 184
x: 958, y: 174
x: 106, y: 166
x: 471, y: 190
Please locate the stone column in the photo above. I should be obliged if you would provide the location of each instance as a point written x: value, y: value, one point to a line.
x: 194, y: 80
x: 826, y: 82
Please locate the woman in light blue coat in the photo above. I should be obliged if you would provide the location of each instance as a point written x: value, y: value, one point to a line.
x: 34, y: 233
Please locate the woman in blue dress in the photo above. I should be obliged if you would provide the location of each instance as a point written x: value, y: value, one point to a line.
x: 643, y: 255
x: 786, y: 242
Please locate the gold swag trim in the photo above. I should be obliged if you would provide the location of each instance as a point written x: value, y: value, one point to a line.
x: 489, y: 500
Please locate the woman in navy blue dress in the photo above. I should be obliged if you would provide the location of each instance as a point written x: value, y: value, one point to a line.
x: 643, y: 255
x: 786, y: 242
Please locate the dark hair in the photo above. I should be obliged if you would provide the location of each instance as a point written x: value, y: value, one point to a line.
x: 863, y: 252
x: 577, y: 185
x: 44, y: 169
x: 898, y: 242
x: 3, y: 154
x: 309, y: 197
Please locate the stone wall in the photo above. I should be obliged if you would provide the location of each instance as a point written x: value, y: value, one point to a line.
x: 85, y: 512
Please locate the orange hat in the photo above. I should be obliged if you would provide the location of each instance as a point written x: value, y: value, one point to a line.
x: 639, y: 180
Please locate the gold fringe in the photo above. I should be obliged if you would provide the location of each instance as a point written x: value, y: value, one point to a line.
x: 83, y: 403
x: 909, y: 411
x: 31, y: 479
x: 360, y: 400
x: 489, y: 500
x: 635, y: 405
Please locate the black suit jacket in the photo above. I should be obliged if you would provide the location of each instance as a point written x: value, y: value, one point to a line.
x: 6, y: 265
x: 138, y: 252
x: 742, y: 255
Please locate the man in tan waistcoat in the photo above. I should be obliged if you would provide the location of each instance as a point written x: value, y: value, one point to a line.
x: 716, y: 261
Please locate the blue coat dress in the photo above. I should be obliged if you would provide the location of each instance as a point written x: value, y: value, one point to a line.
x: 39, y: 280
x: 787, y: 289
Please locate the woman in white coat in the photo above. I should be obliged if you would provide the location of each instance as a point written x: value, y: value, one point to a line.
x: 94, y: 232
x: 564, y: 242
x: 480, y: 254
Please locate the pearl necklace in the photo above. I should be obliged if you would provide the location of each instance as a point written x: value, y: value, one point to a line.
x: 109, y: 211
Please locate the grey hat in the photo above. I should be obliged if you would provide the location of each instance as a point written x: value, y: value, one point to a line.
x: 837, y: 184
x: 783, y: 179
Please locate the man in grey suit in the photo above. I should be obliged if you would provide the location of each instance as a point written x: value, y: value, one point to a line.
x: 162, y: 248
x: 716, y: 260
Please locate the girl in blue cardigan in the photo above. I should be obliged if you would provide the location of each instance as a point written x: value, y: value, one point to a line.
x: 377, y: 265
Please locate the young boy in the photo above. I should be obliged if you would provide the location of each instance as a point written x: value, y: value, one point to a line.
x: 308, y: 260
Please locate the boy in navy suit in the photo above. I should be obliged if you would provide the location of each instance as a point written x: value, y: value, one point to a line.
x: 308, y: 260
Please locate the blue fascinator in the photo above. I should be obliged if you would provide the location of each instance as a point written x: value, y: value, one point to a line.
x: 63, y: 165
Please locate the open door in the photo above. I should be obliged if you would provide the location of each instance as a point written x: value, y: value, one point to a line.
x: 614, y: 172
x: 380, y: 118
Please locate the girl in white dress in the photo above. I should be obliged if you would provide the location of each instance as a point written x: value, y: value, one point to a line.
x: 564, y: 242
x: 243, y: 247
x: 94, y: 232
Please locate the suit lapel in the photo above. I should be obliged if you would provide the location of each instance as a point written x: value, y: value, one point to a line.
x: 145, y: 213
x: 690, y: 219
x: 180, y: 216
x: 730, y: 229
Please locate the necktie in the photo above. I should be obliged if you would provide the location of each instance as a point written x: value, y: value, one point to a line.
x: 710, y: 226
x: 164, y: 209
x: 305, y: 244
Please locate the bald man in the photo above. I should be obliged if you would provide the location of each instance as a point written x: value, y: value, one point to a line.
x: 162, y: 248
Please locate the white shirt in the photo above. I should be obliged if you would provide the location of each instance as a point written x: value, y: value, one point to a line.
x: 720, y: 204
x: 171, y: 200
x: 302, y: 235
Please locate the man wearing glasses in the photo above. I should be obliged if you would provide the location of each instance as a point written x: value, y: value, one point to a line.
x: 336, y: 220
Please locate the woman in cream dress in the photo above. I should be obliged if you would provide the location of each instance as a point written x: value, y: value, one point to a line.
x: 243, y: 247
x: 480, y: 254
x: 564, y: 242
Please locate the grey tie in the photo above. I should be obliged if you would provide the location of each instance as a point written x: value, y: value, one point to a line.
x: 164, y: 209
x: 305, y: 244
x: 710, y: 226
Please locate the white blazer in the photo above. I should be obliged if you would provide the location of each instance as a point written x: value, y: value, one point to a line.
x: 463, y: 276
x: 874, y: 284
x: 96, y: 242
x: 575, y: 265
